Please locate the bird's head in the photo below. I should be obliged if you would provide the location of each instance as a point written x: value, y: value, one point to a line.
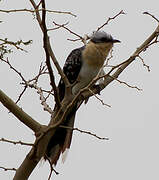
x: 102, y: 37
x: 103, y: 40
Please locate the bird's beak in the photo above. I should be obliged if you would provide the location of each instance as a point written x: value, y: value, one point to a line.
x: 116, y: 41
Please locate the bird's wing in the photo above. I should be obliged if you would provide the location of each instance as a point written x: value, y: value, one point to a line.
x: 71, y: 69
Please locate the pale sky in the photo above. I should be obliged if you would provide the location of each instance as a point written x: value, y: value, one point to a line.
x: 131, y: 123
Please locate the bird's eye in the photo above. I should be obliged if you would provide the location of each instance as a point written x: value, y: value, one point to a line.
x: 103, y: 39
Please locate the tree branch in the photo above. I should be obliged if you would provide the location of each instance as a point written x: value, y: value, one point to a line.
x: 35, y: 10
x: 42, y: 98
x: 85, y: 132
x: 8, y: 169
x: 70, y: 31
x: 52, y: 55
x: 16, y: 142
x: 109, y: 19
x: 19, y: 113
x: 45, y: 41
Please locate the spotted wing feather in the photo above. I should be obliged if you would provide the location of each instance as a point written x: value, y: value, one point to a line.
x: 71, y: 69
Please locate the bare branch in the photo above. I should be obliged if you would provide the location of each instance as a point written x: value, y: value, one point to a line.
x: 51, y: 169
x: 8, y: 169
x: 58, y: 27
x: 70, y: 31
x: 86, y: 132
x: 110, y: 19
x: 122, y: 82
x: 151, y: 16
x: 16, y: 142
x: 14, y: 69
x: 99, y: 99
x: 42, y: 71
x: 35, y: 10
x: 16, y: 44
x: 19, y: 113
x: 116, y: 66
x: 148, y: 67
x: 42, y: 98
x: 49, y: 49
x: 20, y: 75
x: 21, y: 94
x: 45, y: 41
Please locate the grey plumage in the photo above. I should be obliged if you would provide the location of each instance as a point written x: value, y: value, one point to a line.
x: 101, y: 37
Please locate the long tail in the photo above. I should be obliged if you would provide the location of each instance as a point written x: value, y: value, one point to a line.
x: 61, y: 140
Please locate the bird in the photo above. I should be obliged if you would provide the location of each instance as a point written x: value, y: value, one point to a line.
x: 81, y: 66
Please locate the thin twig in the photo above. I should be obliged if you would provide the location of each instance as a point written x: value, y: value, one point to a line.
x: 99, y: 98
x: 122, y: 82
x: 16, y: 142
x: 58, y: 27
x: 109, y: 58
x: 8, y: 169
x: 109, y: 19
x: 117, y: 66
x: 86, y: 132
x: 51, y: 168
x: 151, y: 16
x: 16, y: 44
x: 14, y: 69
x: 35, y: 10
x: 148, y: 67
x: 21, y: 94
x: 70, y: 31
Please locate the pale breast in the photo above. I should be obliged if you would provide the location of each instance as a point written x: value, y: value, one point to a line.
x: 86, y: 75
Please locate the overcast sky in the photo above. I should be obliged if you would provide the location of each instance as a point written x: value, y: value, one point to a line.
x: 131, y: 123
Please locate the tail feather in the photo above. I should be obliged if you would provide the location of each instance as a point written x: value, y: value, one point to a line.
x: 69, y: 133
x: 64, y: 155
x: 55, y: 154
x: 61, y: 140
